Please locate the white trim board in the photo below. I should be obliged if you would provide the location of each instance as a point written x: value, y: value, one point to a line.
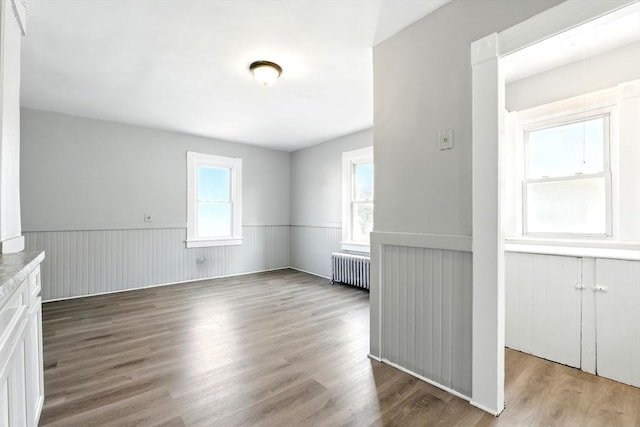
x: 425, y: 379
x: 308, y: 272
x: 52, y: 228
x: 12, y: 245
x: 166, y: 284
x: 422, y: 240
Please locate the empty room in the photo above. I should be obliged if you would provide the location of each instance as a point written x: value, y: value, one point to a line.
x: 319, y: 213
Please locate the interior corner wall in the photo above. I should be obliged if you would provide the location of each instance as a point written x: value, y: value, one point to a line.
x: 87, y: 184
x: 422, y: 84
x: 316, y: 201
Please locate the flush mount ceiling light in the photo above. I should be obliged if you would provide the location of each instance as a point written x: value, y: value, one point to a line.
x: 265, y: 72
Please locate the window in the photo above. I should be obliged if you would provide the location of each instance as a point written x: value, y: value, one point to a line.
x: 357, y: 199
x: 214, y: 205
x: 567, y: 179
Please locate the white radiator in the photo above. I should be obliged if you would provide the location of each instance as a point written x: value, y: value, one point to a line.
x: 350, y: 269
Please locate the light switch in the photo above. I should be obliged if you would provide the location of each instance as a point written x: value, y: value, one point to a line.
x: 445, y: 139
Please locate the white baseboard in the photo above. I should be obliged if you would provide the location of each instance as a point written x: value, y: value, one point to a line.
x: 485, y: 409
x: 372, y: 357
x: 309, y: 272
x: 166, y: 284
x: 427, y: 380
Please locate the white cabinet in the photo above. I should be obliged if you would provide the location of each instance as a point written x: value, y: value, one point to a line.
x: 543, y: 306
x: 12, y: 382
x: 581, y: 312
x: 618, y: 320
x: 21, y: 363
x: 33, y: 357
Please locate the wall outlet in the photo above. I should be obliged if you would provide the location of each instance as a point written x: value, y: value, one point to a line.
x: 445, y: 139
x: 149, y: 217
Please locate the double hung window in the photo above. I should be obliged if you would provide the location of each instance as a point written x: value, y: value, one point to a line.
x: 567, y: 181
x: 214, y: 200
x: 357, y: 199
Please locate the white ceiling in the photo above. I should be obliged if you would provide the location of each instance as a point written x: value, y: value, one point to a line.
x: 615, y: 30
x: 183, y: 65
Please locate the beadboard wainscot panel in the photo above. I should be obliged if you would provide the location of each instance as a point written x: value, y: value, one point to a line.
x: 311, y: 248
x: 424, y: 307
x: 90, y: 262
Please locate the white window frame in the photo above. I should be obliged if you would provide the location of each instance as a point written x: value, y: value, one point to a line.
x: 349, y: 160
x: 536, y: 119
x: 194, y: 161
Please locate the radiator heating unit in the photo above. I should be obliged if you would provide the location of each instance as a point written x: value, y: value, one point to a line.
x: 350, y: 269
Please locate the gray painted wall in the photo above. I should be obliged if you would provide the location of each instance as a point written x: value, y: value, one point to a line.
x: 422, y: 84
x: 594, y: 73
x: 316, y: 185
x: 316, y: 201
x: 82, y: 174
x: 86, y: 185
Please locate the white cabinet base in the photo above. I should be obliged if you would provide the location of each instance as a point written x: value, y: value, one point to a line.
x: 581, y: 312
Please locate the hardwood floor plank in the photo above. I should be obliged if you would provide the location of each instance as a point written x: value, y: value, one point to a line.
x: 279, y: 348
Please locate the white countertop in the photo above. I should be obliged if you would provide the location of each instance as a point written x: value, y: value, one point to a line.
x: 14, y: 269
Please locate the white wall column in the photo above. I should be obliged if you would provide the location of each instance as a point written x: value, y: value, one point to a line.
x: 488, y: 251
x: 12, y: 22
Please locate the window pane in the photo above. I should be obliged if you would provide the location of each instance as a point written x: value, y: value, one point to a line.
x: 363, y: 181
x: 214, y: 219
x: 214, y: 184
x: 362, y: 221
x: 575, y: 206
x: 567, y: 149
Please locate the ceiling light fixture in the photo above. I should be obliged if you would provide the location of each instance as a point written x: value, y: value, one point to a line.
x: 266, y: 72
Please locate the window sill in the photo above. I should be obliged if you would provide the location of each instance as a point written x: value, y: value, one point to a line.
x: 581, y: 248
x: 204, y: 243
x: 355, y: 247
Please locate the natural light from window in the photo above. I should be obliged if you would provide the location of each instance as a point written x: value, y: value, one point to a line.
x: 565, y: 186
x: 214, y: 205
x: 357, y: 199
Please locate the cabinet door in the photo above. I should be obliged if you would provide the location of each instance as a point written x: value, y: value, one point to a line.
x: 618, y: 320
x: 13, y: 405
x: 34, y: 365
x: 543, y: 306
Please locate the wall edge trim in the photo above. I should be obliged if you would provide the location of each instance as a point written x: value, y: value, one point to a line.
x: 423, y: 240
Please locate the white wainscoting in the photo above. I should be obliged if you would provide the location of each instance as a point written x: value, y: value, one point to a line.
x: 311, y: 248
x: 82, y: 263
x: 426, y: 313
x: 421, y: 306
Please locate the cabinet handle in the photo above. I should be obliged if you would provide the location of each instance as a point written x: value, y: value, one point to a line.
x: 601, y: 289
x: 580, y: 286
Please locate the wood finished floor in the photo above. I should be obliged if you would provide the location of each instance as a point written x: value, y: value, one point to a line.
x: 274, y: 349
